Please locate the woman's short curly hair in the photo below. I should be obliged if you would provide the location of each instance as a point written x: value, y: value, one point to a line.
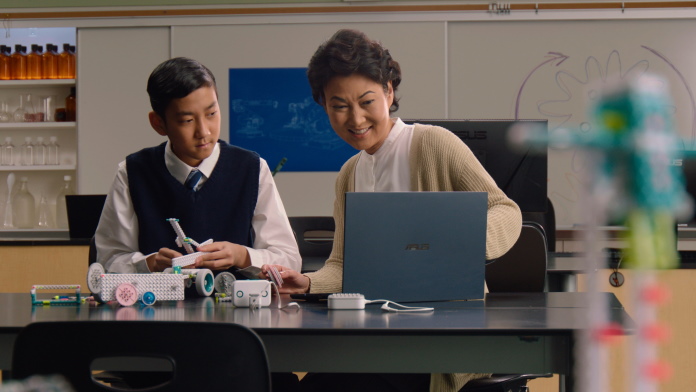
x: 351, y: 52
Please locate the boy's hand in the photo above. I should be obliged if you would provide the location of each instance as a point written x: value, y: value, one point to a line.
x: 162, y: 259
x: 293, y: 281
x: 223, y: 255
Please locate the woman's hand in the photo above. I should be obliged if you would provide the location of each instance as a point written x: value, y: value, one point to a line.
x: 293, y: 281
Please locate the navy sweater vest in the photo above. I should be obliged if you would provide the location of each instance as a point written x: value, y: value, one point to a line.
x: 222, y: 209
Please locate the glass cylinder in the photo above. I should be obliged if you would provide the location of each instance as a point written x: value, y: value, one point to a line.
x: 24, y: 207
x: 48, y: 107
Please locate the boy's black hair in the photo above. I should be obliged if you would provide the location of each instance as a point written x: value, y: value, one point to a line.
x: 174, y: 79
x: 351, y: 52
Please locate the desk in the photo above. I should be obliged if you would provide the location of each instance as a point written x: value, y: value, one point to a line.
x: 518, y: 333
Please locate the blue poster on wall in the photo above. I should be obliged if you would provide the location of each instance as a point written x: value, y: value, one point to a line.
x: 272, y: 112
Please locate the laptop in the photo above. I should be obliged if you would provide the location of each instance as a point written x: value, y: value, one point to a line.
x: 415, y: 246
x: 84, y: 212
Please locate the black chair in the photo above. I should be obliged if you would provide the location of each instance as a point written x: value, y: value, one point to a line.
x: 314, y: 235
x: 547, y: 220
x: 92, y: 257
x: 196, y: 356
x: 521, y: 269
x: 502, y: 383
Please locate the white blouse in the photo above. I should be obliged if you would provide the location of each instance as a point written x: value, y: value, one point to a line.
x: 387, y: 170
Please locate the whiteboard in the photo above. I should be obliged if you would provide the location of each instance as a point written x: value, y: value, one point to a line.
x: 553, y: 70
x: 489, y: 68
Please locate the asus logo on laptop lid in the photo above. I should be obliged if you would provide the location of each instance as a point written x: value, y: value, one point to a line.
x: 436, y: 252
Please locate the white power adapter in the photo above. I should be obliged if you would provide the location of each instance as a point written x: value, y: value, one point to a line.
x: 251, y: 293
x: 346, y: 301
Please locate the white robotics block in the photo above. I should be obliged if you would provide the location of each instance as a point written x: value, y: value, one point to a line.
x: 251, y: 293
x: 166, y: 287
x: 186, y: 260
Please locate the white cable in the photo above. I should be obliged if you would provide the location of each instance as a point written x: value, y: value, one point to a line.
x: 403, y: 308
x: 289, y: 305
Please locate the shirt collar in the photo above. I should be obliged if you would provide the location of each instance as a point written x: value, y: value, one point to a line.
x: 394, y: 134
x: 179, y: 170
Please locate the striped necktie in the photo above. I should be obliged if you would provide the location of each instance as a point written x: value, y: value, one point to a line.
x: 193, y: 178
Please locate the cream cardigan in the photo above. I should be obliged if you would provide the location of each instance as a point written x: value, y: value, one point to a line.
x: 439, y: 161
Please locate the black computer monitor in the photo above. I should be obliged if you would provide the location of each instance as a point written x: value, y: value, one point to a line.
x: 521, y: 172
x: 84, y: 212
x: 688, y: 166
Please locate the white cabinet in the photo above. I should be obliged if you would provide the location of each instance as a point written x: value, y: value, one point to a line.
x: 44, y: 180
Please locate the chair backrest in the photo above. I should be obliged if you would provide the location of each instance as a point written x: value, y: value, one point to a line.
x: 314, y: 251
x: 92, y: 256
x: 203, y: 356
x: 523, y: 267
x: 547, y: 220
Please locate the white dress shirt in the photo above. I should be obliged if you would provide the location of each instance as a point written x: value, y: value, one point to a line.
x: 387, y: 170
x: 117, y: 234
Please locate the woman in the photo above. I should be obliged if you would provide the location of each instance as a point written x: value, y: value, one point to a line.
x: 355, y: 79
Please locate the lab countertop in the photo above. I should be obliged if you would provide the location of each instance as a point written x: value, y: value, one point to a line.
x: 39, y: 237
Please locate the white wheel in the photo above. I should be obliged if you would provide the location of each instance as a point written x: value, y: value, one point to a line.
x: 223, y: 282
x: 94, y: 274
x: 205, y: 282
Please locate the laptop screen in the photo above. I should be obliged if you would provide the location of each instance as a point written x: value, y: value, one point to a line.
x: 415, y: 246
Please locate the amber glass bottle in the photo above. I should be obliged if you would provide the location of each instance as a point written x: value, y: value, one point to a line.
x: 5, y: 63
x: 49, y: 60
x: 73, y: 65
x: 73, y: 69
x: 71, y: 106
x: 35, y: 62
x: 66, y: 63
x: 19, y: 62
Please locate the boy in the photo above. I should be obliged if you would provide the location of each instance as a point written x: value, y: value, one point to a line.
x: 216, y: 190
